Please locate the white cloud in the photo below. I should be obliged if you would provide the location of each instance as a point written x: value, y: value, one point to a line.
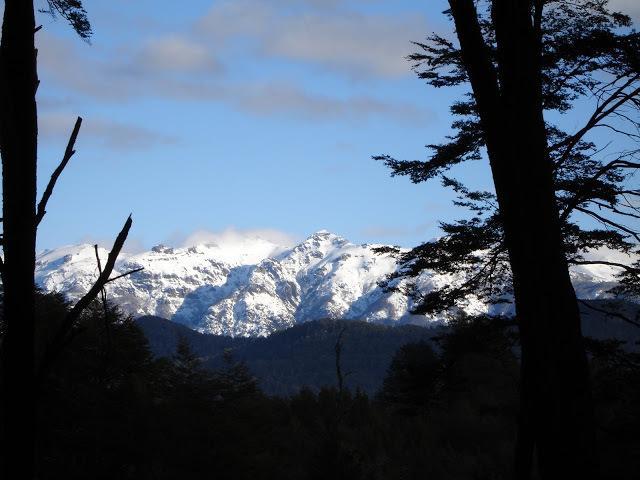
x: 82, y: 70
x: 232, y: 236
x: 131, y: 246
x: 174, y: 53
x: 126, y: 73
x: 185, y: 66
x: 346, y: 41
x: 120, y: 81
x: 111, y: 134
x: 358, y: 44
x: 269, y: 99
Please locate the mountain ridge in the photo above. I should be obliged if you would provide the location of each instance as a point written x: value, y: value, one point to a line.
x: 253, y: 287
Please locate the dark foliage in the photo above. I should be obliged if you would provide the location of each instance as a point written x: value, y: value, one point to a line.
x: 410, y: 384
x: 616, y: 377
x: 110, y: 410
x: 73, y: 12
x: 301, y: 356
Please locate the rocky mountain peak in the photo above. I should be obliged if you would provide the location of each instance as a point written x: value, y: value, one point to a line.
x: 253, y: 287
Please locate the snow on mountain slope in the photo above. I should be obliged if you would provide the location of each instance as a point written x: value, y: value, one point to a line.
x: 323, y: 277
x: 169, y: 275
x: 253, y: 287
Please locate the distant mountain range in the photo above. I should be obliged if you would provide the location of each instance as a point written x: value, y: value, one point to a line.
x: 253, y: 287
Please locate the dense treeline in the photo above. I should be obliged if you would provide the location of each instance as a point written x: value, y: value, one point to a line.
x: 302, y: 355
x: 111, y: 410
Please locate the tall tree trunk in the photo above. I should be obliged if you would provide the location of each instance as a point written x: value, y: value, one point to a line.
x: 18, y: 144
x: 557, y: 410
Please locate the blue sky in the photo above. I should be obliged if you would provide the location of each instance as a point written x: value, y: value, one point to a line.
x: 249, y: 115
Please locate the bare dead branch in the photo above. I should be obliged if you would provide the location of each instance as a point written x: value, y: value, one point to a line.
x: 604, y: 262
x: 609, y: 222
x: 95, y: 247
x: 338, y: 350
x: 72, y: 317
x: 630, y: 135
x: 615, y: 210
x: 105, y: 308
x: 104, y: 276
x: 623, y: 99
x: 103, y: 294
x: 635, y: 193
x: 599, y: 114
x: 135, y: 270
x: 68, y: 153
x: 583, y: 193
x: 610, y: 313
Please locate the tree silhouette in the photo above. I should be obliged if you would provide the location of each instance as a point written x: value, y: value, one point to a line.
x: 73, y: 12
x: 523, y: 59
x: 21, y: 356
x: 411, y: 379
x: 18, y: 144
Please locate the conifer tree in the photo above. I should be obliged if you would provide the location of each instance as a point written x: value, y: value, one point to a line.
x: 410, y: 383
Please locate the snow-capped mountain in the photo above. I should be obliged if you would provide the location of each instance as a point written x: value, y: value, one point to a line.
x: 253, y: 287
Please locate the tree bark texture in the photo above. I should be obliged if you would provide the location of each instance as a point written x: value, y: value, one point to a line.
x: 18, y: 144
x: 556, y: 406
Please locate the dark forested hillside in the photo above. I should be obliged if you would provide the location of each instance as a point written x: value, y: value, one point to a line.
x: 304, y: 355
x: 301, y: 356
